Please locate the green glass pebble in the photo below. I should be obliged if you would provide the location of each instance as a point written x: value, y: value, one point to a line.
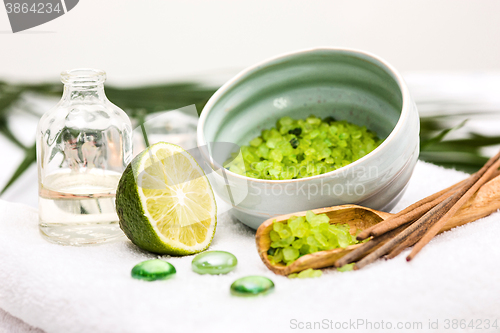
x: 214, y: 262
x: 151, y: 270
x: 252, y: 286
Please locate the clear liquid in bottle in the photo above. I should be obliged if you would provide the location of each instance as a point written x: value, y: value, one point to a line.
x: 79, y: 208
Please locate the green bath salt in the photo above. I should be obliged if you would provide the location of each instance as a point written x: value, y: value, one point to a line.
x: 302, y: 148
x: 302, y: 235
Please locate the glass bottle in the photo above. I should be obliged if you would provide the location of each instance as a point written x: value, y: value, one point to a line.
x: 83, y: 145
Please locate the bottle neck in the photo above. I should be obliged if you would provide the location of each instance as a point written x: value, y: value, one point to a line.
x: 84, y: 93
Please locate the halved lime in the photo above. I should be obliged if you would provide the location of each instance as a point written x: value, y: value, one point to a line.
x: 165, y: 202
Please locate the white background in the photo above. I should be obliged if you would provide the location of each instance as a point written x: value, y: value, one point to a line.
x: 145, y: 41
x: 156, y: 40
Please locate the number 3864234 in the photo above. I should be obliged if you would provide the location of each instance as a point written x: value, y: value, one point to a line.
x: 35, y: 8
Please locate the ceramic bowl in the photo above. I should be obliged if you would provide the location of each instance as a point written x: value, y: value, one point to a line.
x: 347, y: 84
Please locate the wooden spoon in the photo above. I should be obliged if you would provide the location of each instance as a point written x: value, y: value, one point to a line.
x: 483, y: 203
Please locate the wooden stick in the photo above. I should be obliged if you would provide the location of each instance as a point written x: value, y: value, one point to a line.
x: 414, y: 238
x: 419, y: 227
x: 410, y: 241
x: 361, y: 251
x: 414, y: 215
x: 458, y: 199
x: 405, y: 215
x: 415, y: 227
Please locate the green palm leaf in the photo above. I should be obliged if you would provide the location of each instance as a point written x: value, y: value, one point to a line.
x: 463, y: 154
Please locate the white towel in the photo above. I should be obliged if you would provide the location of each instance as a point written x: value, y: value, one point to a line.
x: 10, y: 324
x: 89, y: 289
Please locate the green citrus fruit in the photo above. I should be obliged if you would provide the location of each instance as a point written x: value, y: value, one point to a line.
x: 165, y: 202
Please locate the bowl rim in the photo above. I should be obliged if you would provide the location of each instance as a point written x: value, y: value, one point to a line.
x: 405, y: 108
